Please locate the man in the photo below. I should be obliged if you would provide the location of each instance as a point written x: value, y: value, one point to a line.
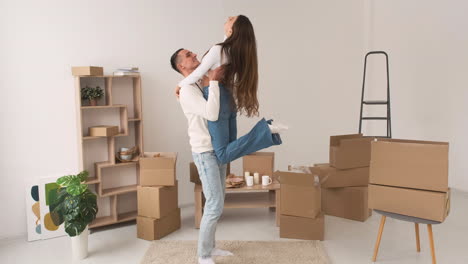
x: 212, y: 172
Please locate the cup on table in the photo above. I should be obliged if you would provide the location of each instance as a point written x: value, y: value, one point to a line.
x: 249, y: 180
x: 266, y: 180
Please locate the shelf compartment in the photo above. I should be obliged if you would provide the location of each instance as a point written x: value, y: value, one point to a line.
x: 108, y: 220
x: 129, y: 216
x: 102, y: 221
x: 118, y: 190
x: 92, y: 180
x: 103, y: 106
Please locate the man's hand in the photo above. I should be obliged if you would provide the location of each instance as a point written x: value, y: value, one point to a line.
x: 177, y: 91
x: 216, y: 74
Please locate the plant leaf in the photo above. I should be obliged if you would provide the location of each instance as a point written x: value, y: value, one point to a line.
x: 64, y: 180
x: 83, y: 176
x: 77, y: 189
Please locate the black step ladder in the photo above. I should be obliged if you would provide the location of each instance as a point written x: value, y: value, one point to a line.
x: 387, y: 102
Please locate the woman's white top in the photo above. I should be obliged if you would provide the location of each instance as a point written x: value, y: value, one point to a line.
x: 211, y: 61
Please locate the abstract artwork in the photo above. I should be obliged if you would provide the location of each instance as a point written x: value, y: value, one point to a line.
x: 33, y: 212
x: 51, y: 222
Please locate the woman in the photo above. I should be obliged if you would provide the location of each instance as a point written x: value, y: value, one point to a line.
x: 238, y: 55
x: 238, y: 93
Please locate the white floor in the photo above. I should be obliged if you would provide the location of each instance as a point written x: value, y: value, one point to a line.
x: 346, y: 241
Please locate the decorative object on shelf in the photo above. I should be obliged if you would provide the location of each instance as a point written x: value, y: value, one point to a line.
x: 127, y: 71
x: 88, y: 71
x: 103, y: 131
x: 128, y: 155
x: 246, y: 174
x: 92, y: 94
x: 78, y: 206
x: 233, y: 181
x: 256, y: 178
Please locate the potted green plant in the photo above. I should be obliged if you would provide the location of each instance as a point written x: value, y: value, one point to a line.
x: 92, y: 94
x: 77, y: 205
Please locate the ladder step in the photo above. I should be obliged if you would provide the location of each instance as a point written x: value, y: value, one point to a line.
x: 375, y: 102
x: 374, y: 118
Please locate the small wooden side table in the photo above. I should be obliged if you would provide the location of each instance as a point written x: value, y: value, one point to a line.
x: 256, y: 196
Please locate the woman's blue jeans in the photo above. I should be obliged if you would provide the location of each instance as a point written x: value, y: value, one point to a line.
x: 224, y: 132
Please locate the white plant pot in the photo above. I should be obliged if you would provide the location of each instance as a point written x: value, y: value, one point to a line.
x: 80, y: 245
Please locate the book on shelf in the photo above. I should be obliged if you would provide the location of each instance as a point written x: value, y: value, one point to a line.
x: 126, y: 73
x: 134, y: 69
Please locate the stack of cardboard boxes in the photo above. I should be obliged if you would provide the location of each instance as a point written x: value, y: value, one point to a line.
x: 344, y: 191
x: 158, y: 211
x: 301, y: 214
x: 410, y: 178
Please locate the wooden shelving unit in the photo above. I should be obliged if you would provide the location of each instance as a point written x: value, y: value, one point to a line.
x: 113, y: 194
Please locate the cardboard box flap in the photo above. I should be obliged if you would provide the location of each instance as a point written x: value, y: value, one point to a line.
x: 336, y: 140
x: 356, y: 142
x: 166, y: 160
x: 162, y: 155
x: 407, y: 141
x: 269, y: 154
x: 300, y: 179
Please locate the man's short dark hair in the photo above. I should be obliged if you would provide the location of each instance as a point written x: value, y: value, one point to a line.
x: 174, y: 60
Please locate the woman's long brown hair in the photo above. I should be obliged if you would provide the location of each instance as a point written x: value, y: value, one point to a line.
x: 241, y: 70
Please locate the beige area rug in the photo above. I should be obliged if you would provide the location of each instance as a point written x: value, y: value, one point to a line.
x: 245, y: 252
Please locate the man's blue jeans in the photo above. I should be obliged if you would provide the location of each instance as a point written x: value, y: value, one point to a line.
x: 213, y: 177
x: 224, y: 132
x: 212, y: 165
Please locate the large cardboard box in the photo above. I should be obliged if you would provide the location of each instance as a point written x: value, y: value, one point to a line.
x: 411, y: 164
x: 195, y: 177
x: 300, y: 194
x: 417, y: 203
x: 87, y: 71
x: 350, y: 151
x: 261, y: 162
x: 302, y: 227
x: 159, y: 170
x: 347, y: 202
x: 103, y: 131
x: 343, y: 178
x: 153, y: 229
x: 156, y: 201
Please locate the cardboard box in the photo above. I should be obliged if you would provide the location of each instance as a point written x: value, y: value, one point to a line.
x: 103, y: 131
x: 195, y: 177
x: 410, y: 164
x: 300, y: 194
x: 261, y: 162
x: 347, y: 202
x: 157, y: 201
x: 158, y: 171
x: 87, y: 71
x: 343, y: 178
x: 417, y: 203
x: 302, y: 227
x: 350, y: 151
x: 153, y: 229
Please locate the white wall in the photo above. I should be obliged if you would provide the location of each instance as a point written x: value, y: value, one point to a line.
x: 426, y: 41
x: 310, y: 55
